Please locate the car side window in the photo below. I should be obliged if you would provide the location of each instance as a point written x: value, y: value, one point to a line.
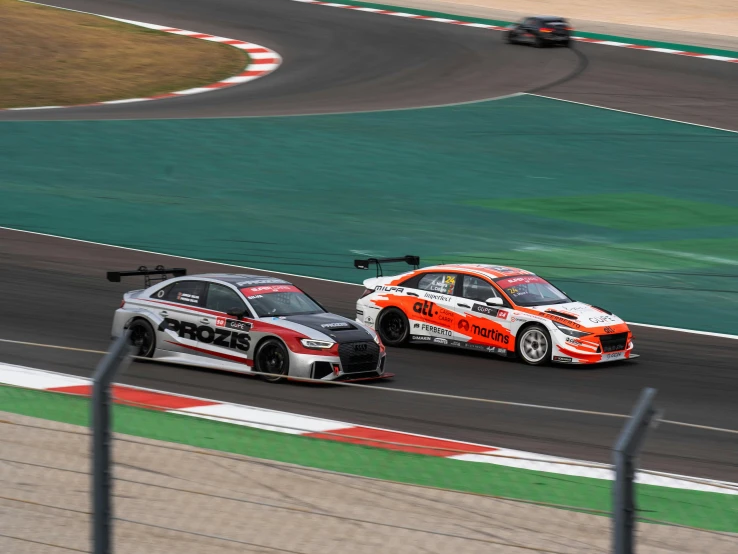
x: 444, y: 283
x: 161, y: 293
x: 530, y: 22
x: 223, y: 299
x: 189, y: 293
x: 478, y: 289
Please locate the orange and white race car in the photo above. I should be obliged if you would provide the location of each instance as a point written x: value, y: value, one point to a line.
x: 491, y: 308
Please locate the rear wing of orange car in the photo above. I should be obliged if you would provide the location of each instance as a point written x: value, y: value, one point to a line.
x: 365, y: 264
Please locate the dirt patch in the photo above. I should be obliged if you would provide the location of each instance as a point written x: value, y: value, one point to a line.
x: 53, y: 57
x: 709, y: 23
x: 174, y: 498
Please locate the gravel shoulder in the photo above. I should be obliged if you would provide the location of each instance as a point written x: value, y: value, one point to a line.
x: 169, y: 496
x: 710, y: 24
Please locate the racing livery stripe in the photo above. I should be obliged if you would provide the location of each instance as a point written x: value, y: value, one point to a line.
x: 318, y: 428
x: 229, y: 357
x: 262, y: 61
x: 633, y: 45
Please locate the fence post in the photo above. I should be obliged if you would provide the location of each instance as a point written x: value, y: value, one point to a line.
x: 101, y: 436
x: 625, y: 452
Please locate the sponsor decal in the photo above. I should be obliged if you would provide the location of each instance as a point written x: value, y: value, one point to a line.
x: 398, y: 290
x: 463, y: 325
x: 433, y: 296
x: 368, y: 320
x: 436, y: 330
x: 609, y: 330
x: 426, y: 308
x: 439, y: 340
x: 236, y: 324
x: 418, y: 337
x: 264, y: 281
x: 251, y: 292
x: 575, y: 342
x: 359, y: 312
x: 478, y: 347
x: 614, y: 356
x: 561, y: 359
x: 491, y: 334
x: 486, y: 310
x: 416, y: 326
x: 160, y: 294
x: 337, y: 325
x: 502, y: 314
x: 225, y: 338
x: 562, y: 320
x: 603, y: 319
x: 191, y: 298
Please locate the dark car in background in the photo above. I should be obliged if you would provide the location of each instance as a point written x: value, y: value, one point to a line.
x: 540, y: 31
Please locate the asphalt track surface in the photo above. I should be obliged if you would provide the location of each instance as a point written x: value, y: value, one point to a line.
x: 54, y: 291
x: 337, y: 60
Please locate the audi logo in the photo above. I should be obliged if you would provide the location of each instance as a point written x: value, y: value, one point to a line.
x: 360, y: 347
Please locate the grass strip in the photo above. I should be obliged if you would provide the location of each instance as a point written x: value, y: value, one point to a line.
x: 693, y: 508
x: 55, y: 57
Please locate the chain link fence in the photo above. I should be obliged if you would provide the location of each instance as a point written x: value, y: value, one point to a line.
x: 195, y: 485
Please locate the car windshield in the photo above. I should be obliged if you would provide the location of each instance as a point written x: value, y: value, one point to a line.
x: 531, y: 290
x: 280, y: 300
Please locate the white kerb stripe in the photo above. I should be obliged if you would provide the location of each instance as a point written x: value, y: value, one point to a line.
x: 37, y: 379
x: 265, y: 419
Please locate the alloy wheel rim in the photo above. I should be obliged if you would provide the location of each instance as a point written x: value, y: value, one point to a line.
x: 535, y: 345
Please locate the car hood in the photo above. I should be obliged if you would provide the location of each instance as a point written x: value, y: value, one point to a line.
x: 580, y: 314
x: 335, y: 327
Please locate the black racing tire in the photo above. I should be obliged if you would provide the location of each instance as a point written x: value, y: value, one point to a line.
x: 539, y: 42
x: 272, y: 361
x: 510, y: 38
x: 533, y: 345
x: 143, y: 338
x: 566, y: 43
x: 393, y: 327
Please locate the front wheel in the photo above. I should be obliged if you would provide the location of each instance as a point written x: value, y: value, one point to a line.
x: 143, y: 338
x: 272, y: 361
x: 393, y: 327
x: 510, y: 38
x: 534, y: 345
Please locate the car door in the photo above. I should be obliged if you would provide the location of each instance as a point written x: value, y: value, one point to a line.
x: 180, y: 306
x: 530, y: 29
x: 231, y: 337
x: 485, y: 324
x: 433, y: 313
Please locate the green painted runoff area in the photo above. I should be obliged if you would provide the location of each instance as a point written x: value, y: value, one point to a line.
x: 635, y: 214
x: 713, y: 511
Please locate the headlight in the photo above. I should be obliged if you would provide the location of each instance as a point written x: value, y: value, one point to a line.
x: 569, y: 331
x: 317, y: 344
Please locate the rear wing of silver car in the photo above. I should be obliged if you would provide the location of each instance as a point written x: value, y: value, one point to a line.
x: 364, y: 264
x: 159, y: 273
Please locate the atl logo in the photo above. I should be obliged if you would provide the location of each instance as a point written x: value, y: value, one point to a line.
x: 425, y: 308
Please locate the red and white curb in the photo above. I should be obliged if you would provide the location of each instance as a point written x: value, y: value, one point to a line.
x: 262, y: 61
x: 326, y: 429
x: 498, y: 28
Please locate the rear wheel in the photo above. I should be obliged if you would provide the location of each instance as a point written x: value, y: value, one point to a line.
x: 534, y: 345
x: 142, y: 338
x: 538, y: 42
x: 510, y: 37
x: 393, y: 327
x: 272, y: 360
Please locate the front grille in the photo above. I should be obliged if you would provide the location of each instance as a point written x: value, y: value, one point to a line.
x: 359, y: 357
x: 614, y: 343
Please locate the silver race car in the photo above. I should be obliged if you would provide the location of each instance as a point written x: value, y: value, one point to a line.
x: 246, y: 324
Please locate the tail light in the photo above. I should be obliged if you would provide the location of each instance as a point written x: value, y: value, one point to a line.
x: 545, y: 30
x: 367, y: 292
x: 570, y: 28
x: 123, y: 303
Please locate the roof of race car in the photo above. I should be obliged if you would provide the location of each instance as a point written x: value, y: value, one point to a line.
x: 241, y: 280
x: 493, y: 271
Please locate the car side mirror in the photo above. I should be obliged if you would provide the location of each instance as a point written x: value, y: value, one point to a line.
x: 238, y: 313
x: 494, y: 301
